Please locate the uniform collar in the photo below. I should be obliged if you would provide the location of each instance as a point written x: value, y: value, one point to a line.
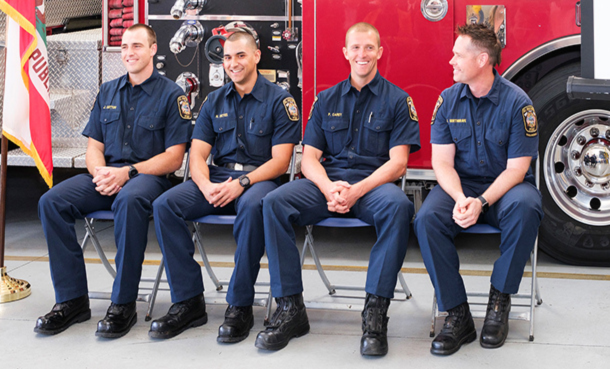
x: 373, y: 85
x: 258, y: 91
x: 148, y: 86
x: 494, y: 93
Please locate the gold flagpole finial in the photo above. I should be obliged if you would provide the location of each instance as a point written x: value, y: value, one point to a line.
x: 12, y: 289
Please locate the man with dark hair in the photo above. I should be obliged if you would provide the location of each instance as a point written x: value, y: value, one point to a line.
x: 253, y: 125
x: 484, y: 136
x: 138, y: 130
x: 364, y: 129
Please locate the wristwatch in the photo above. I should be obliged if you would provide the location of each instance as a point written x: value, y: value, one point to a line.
x: 133, y: 172
x: 484, y: 203
x: 244, y: 181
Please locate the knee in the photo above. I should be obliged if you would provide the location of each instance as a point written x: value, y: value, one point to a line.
x: 48, y: 202
x: 131, y: 202
x: 161, y: 205
x: 271, y: 203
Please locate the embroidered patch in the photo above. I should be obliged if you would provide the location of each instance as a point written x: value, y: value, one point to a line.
x: 312, y: 106
x: 439, y: 102
x: 184, y: 107
x: 530, y: 121
x: 291, y: 109
x: 412, y: 111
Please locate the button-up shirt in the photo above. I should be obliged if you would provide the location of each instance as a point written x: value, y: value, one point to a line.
x: 486, y: 131
x: 244, y: 129
x: 138, y: 122
x: 355, y: 130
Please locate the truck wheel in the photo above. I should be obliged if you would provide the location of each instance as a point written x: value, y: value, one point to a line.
x: 575, y: 172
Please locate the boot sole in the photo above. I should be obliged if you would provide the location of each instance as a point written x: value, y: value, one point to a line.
x: 82, y: 317
x: 261, y: 344
x: 131, y: 323
x: 165, y: 335
x: 227, y: 339
x: 468, y: 339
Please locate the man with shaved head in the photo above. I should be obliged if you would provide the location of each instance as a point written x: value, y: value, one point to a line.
x: 253, y: 125
x: 357, y: 143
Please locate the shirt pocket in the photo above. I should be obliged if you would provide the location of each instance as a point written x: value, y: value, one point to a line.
x: 497, y: 146
x: 336, y: 134
x: 225, y: 136
x: 259, y: 139
x: 111, y: 129
x: 461, y: 134
x: 149, y: 137
x: 376, y: 138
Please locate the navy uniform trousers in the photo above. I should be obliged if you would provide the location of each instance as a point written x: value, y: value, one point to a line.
x: 300, y: 202
x: 517, y: 214
x: 73, y: 199
x: 185, y: 202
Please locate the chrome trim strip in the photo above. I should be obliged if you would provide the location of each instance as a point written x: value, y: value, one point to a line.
x: 420, y: 174
x: 538, y: 52
x: 219, y: 17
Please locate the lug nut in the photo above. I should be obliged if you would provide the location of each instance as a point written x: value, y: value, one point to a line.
x: 578, y: 171
x: 575, y: 155
x: 581, y: 140
x: 594, y: 132
x: 589, y: 184
x: 606, y: 186
x: 608, y: 134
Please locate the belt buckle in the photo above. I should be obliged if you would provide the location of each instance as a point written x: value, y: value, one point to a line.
x: 239, y: 166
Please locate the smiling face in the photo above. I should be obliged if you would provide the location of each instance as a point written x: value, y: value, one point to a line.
x: 362, y: 50
x: 137, y: 53
x: 240, y: 60
x: 467, y: 60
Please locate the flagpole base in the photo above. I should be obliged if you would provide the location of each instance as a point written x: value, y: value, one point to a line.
x: 12, y: 289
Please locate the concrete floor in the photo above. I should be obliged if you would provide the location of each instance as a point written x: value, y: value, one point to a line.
x: 571, y: 328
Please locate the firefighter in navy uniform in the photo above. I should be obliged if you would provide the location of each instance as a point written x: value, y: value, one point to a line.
x: 364, y: 129
x: 484, y: 136
x: 138, y: 131
x: 252, y: 125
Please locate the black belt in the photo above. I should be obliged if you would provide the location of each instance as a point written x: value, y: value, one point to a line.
x: 242, y: 167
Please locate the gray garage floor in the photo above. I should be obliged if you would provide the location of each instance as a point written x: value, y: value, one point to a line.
x: 571, y: 331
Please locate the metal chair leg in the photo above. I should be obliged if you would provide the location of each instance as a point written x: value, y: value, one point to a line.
x: 98, y: 247
x: 316, y: 260
x: 204, y: 257
x: 153, y: 293
x: 405, y: 288
x: 434, y: 314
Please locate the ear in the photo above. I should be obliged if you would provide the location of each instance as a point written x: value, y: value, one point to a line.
x: 257, y: 55
x: 483, y: 59
x: 153, y: 50
x: 380, y: 52
x: 345, y: 53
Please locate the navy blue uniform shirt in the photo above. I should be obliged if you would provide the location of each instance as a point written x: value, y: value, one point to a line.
x: 355, y: 130
x: 138, y: 122
x: 487, y: 131
x: 243, y: 130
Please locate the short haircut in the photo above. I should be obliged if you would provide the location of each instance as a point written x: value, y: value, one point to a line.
x: 152, y: 36
x: 241, y: 34
x: 363, y: 27
x: 483, y: 38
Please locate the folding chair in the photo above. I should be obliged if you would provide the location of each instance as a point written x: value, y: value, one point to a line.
x: 230, y: 220
x: 90, y: 234
x: 339, y: 222
x: 533, y: 297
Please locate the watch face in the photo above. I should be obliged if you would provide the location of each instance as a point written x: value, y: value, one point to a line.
x: 244, y: 181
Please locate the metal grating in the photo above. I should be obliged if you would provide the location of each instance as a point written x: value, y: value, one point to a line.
x: 59, y: 11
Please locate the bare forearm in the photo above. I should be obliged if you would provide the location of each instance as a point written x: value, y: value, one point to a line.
x: 314, y: 171
x: 508, y: 179
x: 94, y: 159
x: 164, y: 163
x: 449, y: 180
x: 388, y: 172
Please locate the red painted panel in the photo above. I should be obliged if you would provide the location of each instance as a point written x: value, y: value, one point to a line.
x: 416, y: 51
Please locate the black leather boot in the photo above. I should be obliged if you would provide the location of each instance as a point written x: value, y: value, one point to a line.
x: 181, y: 316
x: 63, y: 315
x: 288, y: 321
x: 237, y: 324
x: 374, y: 340
x: 495, y: 328
x: 118, y: 320
x: 457, y: 330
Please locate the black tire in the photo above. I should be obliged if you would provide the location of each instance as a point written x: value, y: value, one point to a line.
x: 561, y: 236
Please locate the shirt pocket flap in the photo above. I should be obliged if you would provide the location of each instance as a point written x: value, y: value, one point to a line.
x: 460, y: 132
x: 223, y: 125
x: 334, y: 125
x: 263, y: 129
x: 151, y: 123
x: 380, y: 125
x: 497, y: 136
x: 110, y: 116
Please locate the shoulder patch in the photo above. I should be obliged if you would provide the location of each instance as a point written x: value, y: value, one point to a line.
x: 439, y: 102
x: 184, y: 108
x: 291, y: 109
x: 315, y: 100
x: 530, y: 121
x: 412, y: 111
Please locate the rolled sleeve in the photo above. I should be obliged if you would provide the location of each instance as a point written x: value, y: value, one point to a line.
x: 286, y: 131
x: 177, y: 129
x: 314, y: 135
x: 94, y: 128
x: 439, y: 130
x: 405, y: 130
x: 204, y: 129
x: 519, y: 143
